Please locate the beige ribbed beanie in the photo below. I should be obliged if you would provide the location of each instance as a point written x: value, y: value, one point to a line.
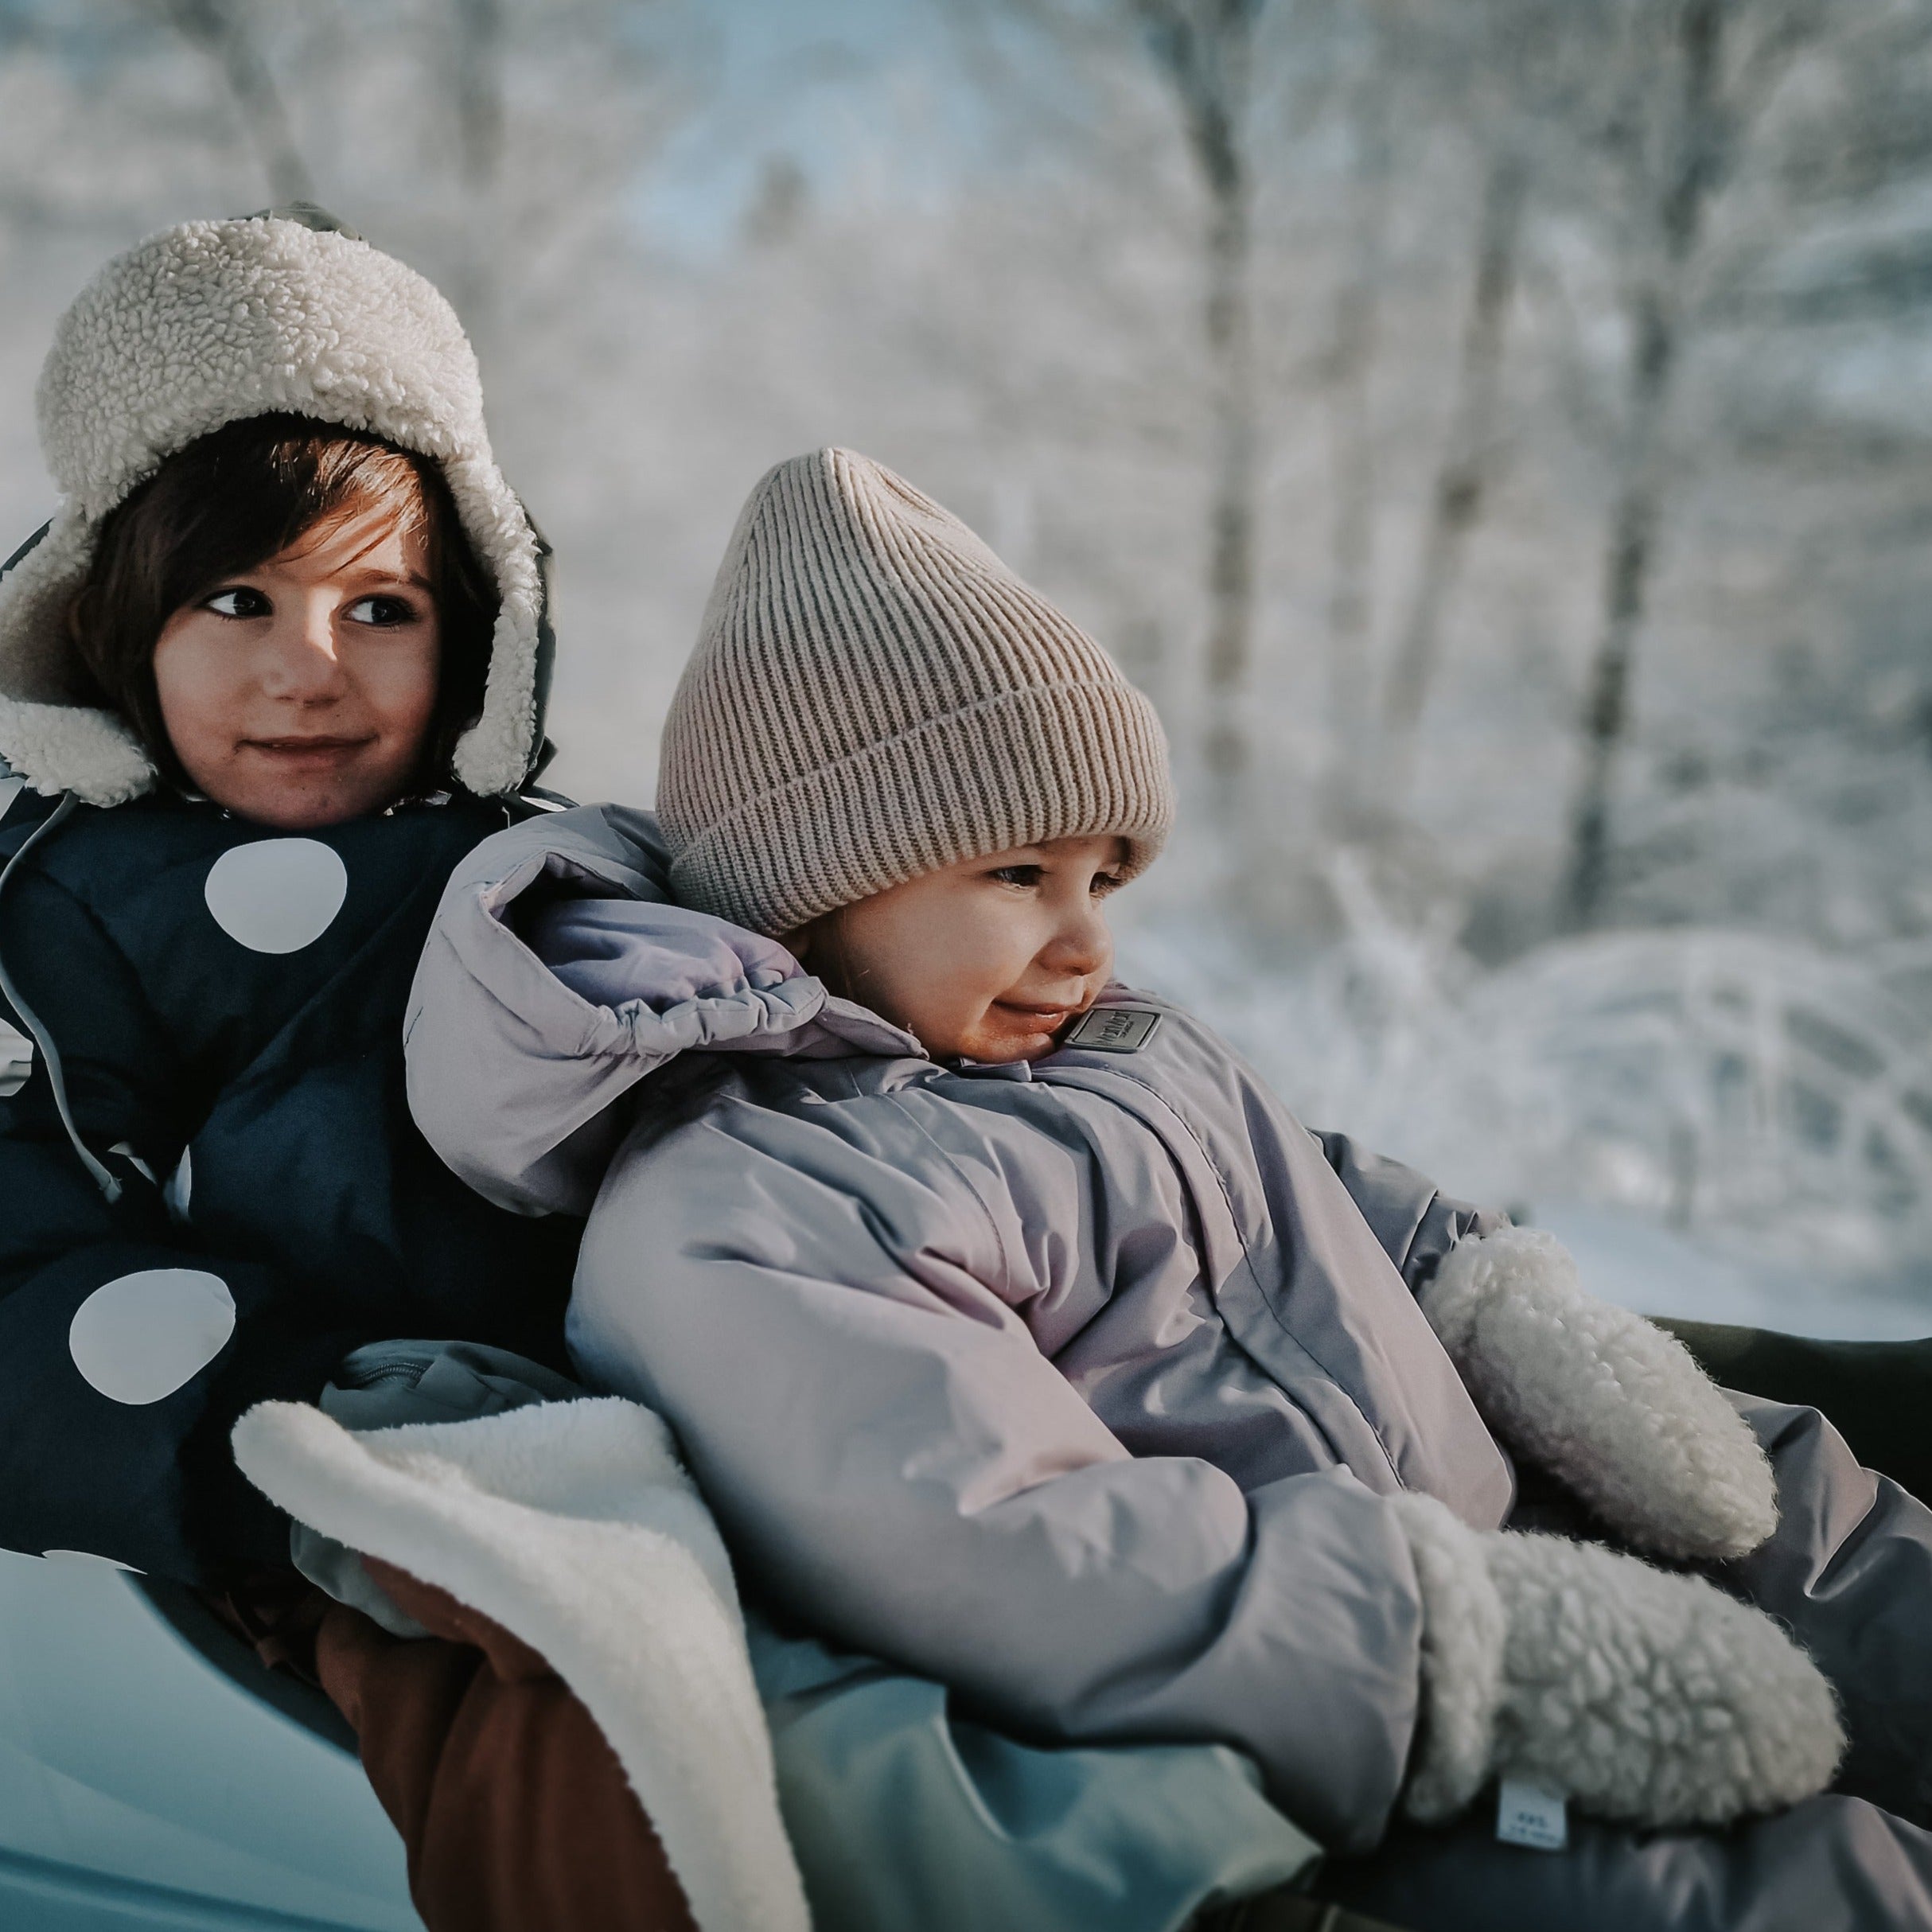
x: 874, y: 695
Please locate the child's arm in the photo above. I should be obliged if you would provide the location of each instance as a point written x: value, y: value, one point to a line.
x: 1608, y: 1402
x: 821, y: 1301
x: 1416, y: 1223
x: 830, y: 1326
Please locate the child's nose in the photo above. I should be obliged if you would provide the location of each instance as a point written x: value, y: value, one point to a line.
x: 304, y: 665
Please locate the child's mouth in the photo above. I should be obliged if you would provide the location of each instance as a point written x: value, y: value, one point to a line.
x: 299, y: 751
x: 1037, y: 1019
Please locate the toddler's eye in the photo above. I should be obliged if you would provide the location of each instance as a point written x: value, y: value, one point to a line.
x: 380, y: 611
x: 1016, y: 876
x: 238, y: 601
x: 1104, y: 882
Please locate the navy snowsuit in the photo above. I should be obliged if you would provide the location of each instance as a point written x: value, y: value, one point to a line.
x: 251, y: 1104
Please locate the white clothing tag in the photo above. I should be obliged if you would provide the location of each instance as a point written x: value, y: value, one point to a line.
x: 1531, y: 1814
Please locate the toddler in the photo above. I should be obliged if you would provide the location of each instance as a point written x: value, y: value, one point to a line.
x: 1018, y: 1335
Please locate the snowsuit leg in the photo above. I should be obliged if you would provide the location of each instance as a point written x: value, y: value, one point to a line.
x: 1849, y: 1571
x: 514, y: 1809
x: 1831, y: 1864
x: 908, y: 1815
x: 1877, y: 1394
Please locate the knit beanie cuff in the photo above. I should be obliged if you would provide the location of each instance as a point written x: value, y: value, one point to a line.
x: 950, y: 788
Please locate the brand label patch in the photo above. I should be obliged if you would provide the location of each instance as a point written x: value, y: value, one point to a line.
x: 1113, y: 1030
x: 1531, y: 1814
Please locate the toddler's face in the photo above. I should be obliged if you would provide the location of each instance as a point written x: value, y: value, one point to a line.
x: 986, y: 959
x: 300, y: 694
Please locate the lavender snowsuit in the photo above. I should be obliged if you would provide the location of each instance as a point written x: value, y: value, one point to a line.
x: 1083, y: 1387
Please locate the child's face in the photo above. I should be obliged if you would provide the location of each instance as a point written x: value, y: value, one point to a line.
x: 300, y: 693
x: 986, y: 959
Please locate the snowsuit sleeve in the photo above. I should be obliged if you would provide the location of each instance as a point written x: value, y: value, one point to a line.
x: 896, y: 1461
x: 126, y: 1353
x: 1415, y: 1222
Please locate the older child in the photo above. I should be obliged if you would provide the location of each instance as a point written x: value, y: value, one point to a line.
x: 1017, y: 1334
x: 277, y: 664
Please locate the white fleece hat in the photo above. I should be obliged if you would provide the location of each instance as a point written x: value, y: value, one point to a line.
x: 203, y: 325
x: 874, y: 695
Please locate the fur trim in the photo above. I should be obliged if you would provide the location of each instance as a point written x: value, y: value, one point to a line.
x: 1651, y: 1697
x: 572, y: 1525
x: 1613, y: 1405
x: 495, y: 753
x: 1463, y: 1633
x: 67, y: 748
x: 207, y: 324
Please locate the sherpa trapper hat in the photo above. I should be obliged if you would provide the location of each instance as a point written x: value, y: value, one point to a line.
x: 203, y: 325
x: 874, y: 695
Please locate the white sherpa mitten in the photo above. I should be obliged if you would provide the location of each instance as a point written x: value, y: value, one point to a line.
x: 1644, y: 1697
x: 1602, y: 1398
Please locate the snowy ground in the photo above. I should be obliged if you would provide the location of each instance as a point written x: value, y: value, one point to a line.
x: 1726, y: 1125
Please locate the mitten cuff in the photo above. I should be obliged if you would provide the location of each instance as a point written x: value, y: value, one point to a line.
x: 1464, y: 1629
x: 1606, y: 1400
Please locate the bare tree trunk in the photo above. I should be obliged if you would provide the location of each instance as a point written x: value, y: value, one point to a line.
x: 1462, y: 482
x: 478, y: 88
x: 1627, y: 574
x: 219, y: 29
x: 1203, y: 49
x: 477, y: 98
x: 1231, y: 515
x: 1630, y: 552
x: 1352, y: 464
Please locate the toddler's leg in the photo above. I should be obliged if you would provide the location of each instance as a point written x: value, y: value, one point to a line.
x: 1831, y: 1864
x: 907, y: 1815
x: 1877, y: 1394
x: 1850, y: 1572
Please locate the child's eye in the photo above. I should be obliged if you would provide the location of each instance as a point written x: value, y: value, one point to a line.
x: 381, y: 611
x: 1104, y: 882
x: 1017, y: 875
x: 239, y: 600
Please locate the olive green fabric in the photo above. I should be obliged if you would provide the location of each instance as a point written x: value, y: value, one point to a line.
x: 1879, y: 1394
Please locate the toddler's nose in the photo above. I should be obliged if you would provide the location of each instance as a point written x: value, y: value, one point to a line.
x: 1082, y: 945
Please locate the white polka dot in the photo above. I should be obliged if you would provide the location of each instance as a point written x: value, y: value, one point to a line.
x: 16, y: 1059
x: 278, y: 895
x: 141, y: 1338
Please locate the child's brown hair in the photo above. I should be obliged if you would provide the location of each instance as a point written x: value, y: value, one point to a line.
x: 231, y: 499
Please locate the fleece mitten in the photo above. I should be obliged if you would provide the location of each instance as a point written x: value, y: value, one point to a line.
x: 1642, y: 1696
x: 1602, y: 1398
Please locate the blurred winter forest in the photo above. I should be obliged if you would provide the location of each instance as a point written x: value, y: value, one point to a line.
x: 1498, y: 435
